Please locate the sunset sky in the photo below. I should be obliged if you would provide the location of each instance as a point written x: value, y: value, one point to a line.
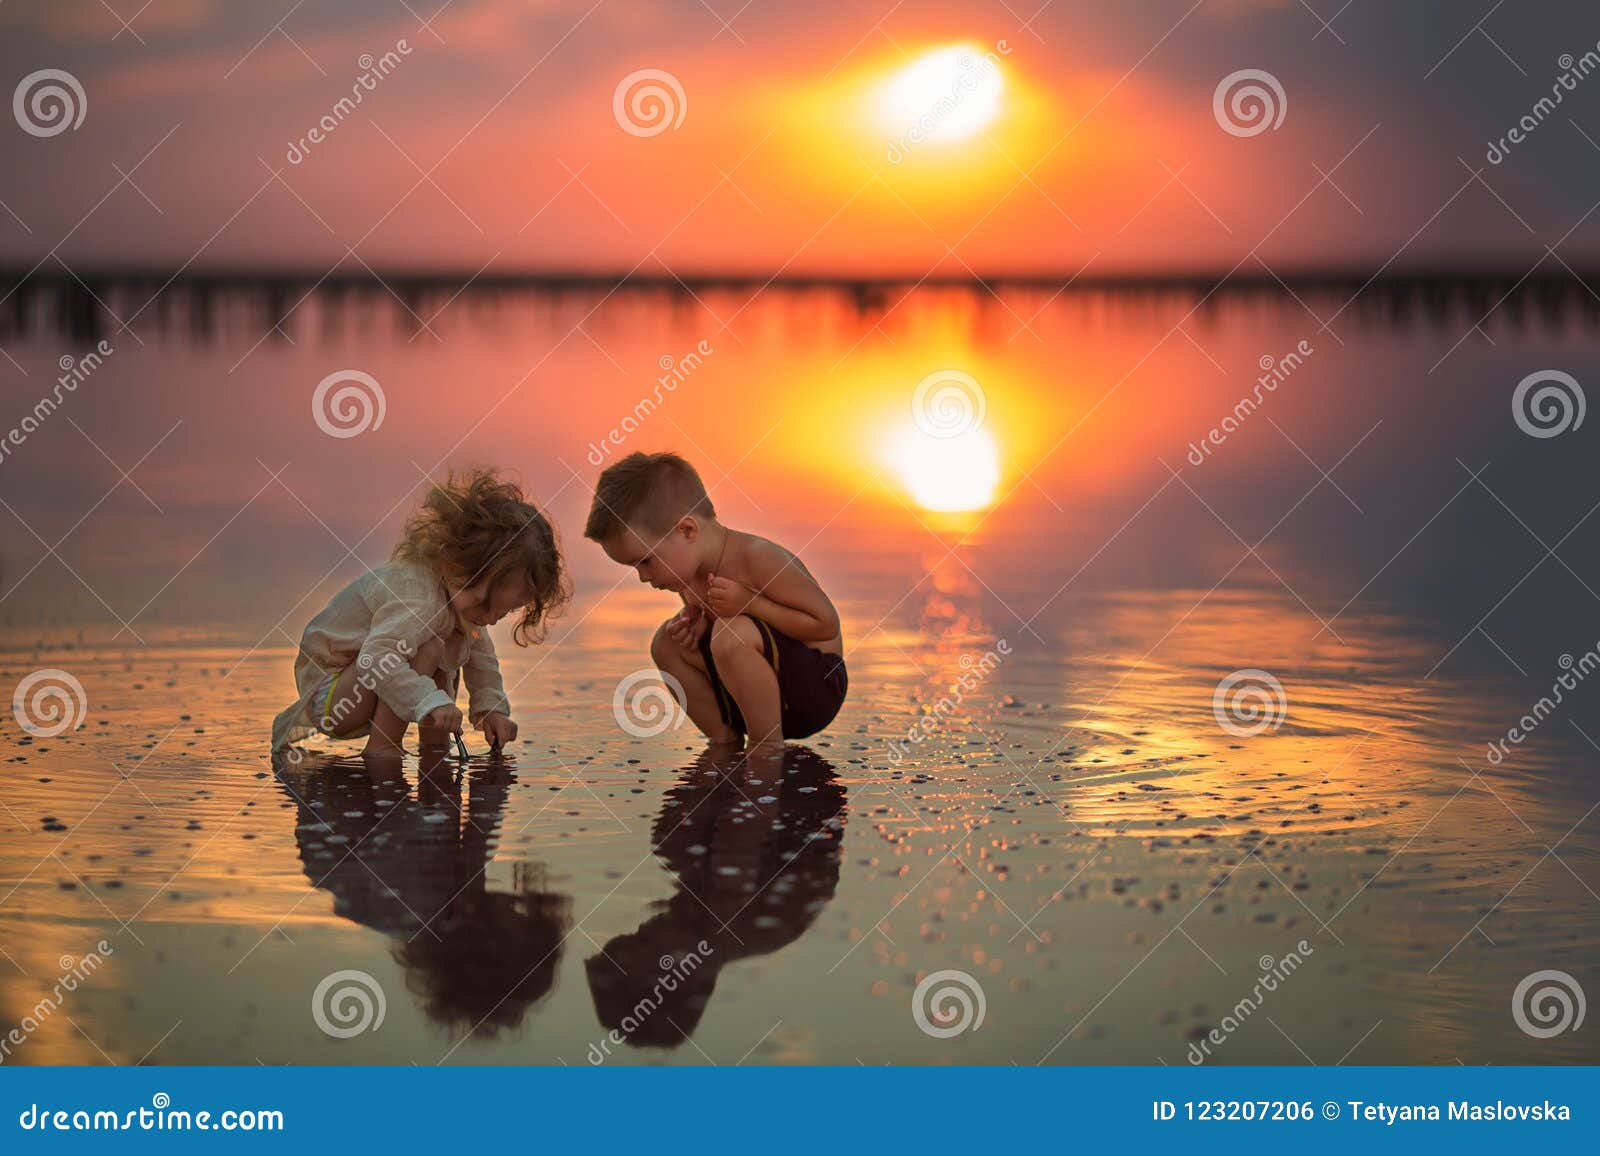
x: 1084, y: 135
x: 493, y: 141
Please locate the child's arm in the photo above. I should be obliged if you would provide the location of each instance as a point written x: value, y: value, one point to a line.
x: 487, y: 706
x: 785, y: 596
x: 394, y: 639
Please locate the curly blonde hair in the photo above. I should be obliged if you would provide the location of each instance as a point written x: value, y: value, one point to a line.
x: 478, y: 525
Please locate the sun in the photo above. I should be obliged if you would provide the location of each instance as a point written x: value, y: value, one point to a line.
x: 949, y: 474
x: 945, y: 95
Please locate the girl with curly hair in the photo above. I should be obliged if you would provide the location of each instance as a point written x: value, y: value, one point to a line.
x: 392, y: 647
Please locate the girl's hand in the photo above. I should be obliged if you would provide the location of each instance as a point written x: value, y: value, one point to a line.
x: 727, y: 597
x: 498, y: 729
x: 446, y: 718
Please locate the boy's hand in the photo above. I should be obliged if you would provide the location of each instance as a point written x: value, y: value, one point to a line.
x: 447, y: 718
x: 686, y: 627
x: 498, y: 729
x: 727, y: 597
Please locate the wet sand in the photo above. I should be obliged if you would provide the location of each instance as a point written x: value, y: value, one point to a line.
x: 1108, y: 867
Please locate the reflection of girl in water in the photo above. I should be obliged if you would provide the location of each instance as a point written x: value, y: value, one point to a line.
x: 413, y: 868
x: 754, y: 843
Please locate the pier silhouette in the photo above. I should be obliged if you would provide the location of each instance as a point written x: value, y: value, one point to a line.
x: 86, y: 305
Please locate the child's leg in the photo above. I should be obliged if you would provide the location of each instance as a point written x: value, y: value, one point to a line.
x: 388, y: 731
x: 743, y: 669
x: 686, y: 666
x: 351, y: 705
x: 388, y: 728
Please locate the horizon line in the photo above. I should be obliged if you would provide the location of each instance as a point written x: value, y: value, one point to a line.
x: 248, y: 275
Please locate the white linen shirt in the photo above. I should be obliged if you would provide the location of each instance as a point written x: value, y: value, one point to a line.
x: 379, y: 622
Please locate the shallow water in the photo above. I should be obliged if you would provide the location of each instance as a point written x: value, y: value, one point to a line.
x: 1029, y: 784
x: 1081, y: 839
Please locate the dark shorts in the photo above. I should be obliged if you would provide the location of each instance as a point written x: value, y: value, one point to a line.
x: 811, y: 684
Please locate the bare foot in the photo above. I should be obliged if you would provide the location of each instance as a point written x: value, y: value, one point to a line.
x: 381, y: 748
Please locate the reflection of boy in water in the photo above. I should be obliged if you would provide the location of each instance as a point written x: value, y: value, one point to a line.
x: 414, y: 869
x: 754, y: 843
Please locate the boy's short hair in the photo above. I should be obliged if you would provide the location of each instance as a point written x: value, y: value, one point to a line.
x: 650, y: 491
